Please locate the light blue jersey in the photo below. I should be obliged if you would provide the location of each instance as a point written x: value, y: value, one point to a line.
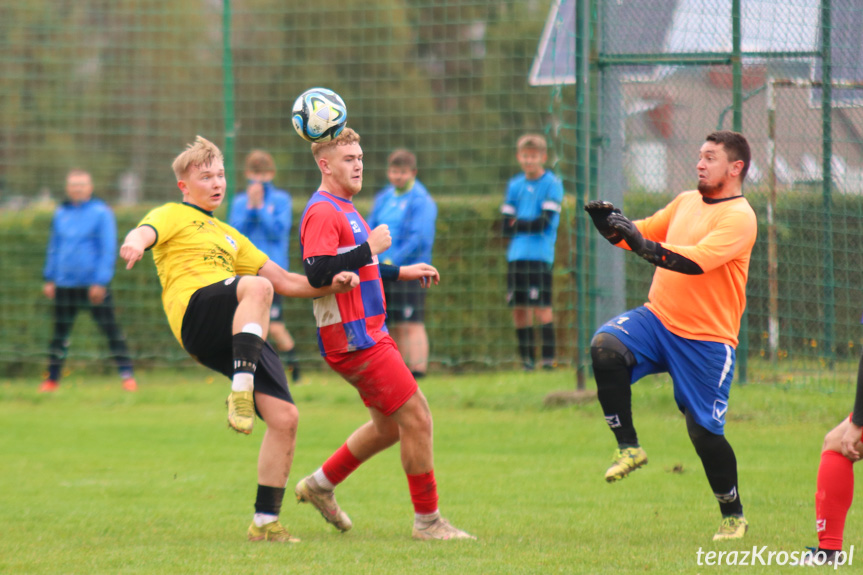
x: 526, y: 200
x: 411, y: 218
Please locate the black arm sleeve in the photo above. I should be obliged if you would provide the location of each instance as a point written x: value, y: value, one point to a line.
x: 533, y: 226
x: 665, y: 258
x: 320, y: 270
x: 857, y: 416
x: 389, y: 272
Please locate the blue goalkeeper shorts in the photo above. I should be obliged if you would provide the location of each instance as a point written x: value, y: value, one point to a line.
x: 702, y: 371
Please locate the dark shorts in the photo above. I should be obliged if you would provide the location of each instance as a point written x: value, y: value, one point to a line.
x: 276, y: 308
x: 378, y: 373
x: 207, y: 337
x: 528, y: 284
x: 406, y: 302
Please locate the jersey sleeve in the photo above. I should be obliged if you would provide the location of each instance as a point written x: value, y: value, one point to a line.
x: 509, y: 202
x: 554, y: 196
x: 249, y: 258
x: 732, y: 235
x: 319, y: 231
x: 655, y: 227
x: 162, y: 223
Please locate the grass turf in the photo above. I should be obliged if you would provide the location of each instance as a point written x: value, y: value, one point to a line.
x: 97, y: 480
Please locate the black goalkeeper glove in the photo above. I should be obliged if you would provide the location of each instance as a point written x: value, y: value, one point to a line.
x: 624, y: 227
x: 652, y: 251
x: 599, y: 211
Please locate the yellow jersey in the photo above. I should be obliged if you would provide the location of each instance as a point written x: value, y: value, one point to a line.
x: 193, y: 249
x: 718, y: 236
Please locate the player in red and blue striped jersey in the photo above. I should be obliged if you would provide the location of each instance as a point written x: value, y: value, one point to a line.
x: 354, y: 341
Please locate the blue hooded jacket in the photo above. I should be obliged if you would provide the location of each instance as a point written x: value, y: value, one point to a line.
x: 411, y: 218
x: 268, y: 227
x: 82, y: 250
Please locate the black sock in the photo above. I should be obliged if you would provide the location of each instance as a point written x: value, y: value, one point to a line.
x: 526, y: 345
x: 418, y: 374
x: 269, y: 499
x: 547, y: 343
x: 614, y: 391
x: 247, y: 351
x: 720, y: 466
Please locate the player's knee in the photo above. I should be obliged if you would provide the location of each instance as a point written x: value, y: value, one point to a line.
x: 702, y: 439
x: 283, y: 418
x: 607, y: 352
x: 257, y: 288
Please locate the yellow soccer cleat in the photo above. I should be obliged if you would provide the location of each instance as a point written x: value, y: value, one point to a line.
x: 271, y: 532
x: 324, y: 501
x: 732, y: 527
x: 241, y: 411
x: 625, y: 462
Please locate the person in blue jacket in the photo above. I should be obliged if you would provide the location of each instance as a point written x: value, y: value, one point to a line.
x: 262, y: 213
x: 79, y: 267
x: 410, y: 212
x: 531, y: 214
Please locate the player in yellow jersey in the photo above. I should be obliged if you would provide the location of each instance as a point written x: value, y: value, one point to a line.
x: 217, y: 288
x: 700, y: 243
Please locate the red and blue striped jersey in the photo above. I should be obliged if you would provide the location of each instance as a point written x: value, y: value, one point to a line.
x: 350, y: 321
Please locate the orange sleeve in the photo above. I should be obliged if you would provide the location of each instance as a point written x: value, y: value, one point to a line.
x: 733, y: 235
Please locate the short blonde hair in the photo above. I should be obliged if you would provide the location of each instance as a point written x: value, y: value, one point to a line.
x: 260, y: 162
x: 348, y: 136
x: 202, y: 152
x: 531, y: 142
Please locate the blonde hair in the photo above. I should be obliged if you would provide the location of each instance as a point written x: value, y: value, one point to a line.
x: 531, y: 142
x: 348, y: 136
x: 202, y: 152
x: 260, y: 162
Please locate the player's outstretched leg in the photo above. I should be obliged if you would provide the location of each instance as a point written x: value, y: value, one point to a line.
x: 625, y: 462
x: 324, y: 500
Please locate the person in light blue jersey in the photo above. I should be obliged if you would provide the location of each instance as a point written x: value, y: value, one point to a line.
x: 79, y: 267
x: 262, y: 213
x: 410, y: 212
x: 531, y: 214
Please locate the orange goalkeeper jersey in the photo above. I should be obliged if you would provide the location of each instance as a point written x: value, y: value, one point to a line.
x: 718, y: 236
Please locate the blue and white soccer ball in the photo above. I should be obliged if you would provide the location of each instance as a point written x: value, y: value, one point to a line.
x: 319, y: 115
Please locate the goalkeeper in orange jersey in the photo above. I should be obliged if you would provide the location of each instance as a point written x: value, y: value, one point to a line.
x: 700, y: 243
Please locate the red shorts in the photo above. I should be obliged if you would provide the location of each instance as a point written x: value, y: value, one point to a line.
x: 378, y: 373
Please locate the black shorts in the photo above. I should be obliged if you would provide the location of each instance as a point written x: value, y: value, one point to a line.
x: 528, y: 284
x: 207, y: 337
x: 406, y: 301
x: 276, y: 308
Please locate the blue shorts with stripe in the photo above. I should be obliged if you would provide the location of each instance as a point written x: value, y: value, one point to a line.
x: 701, y: 371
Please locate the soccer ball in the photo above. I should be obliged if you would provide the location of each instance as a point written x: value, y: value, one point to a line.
x: 319, y: 115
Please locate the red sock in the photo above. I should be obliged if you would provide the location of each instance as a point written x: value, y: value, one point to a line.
x: 833, y: 498
x: 423, y: 489
x: 340, y: 464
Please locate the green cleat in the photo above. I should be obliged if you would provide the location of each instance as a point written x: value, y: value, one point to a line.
x: 241, y: 411
x: 271, y: 532
x: 625, y: 462
x: 307, y: 491
x: 732, y: 527
x: 441, y: 529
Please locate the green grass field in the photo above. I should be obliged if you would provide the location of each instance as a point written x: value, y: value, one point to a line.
x: 95, y: 480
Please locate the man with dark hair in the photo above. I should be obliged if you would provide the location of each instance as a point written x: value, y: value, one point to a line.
x: 409, y: 211
x: 700, y: 243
